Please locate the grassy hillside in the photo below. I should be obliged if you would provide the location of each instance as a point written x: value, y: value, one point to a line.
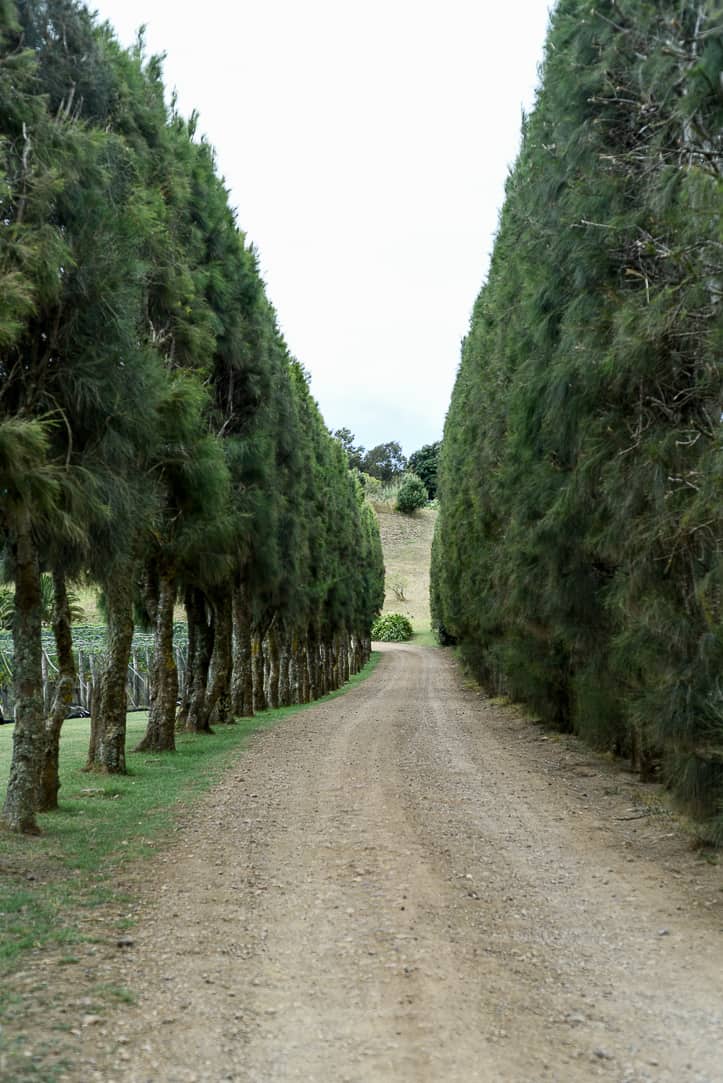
x: 407, y: 545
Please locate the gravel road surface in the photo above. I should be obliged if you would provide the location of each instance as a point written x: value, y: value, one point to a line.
x: 411, y: 883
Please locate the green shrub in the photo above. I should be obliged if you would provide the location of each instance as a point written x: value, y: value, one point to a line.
x: 381, y: 494
x: 372, y: 486
x: 392, y: 628
x: 412, y: 494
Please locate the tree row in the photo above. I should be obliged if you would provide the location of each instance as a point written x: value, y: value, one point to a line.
x: 156, y: 438
x: 579, y: 554
x: 386, y: 462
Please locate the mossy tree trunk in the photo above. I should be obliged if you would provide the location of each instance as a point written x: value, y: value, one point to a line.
x: 257, y: 664
x: 355, y: 654
x: 344, y: 666
x: 272, y: 641
x: 197, y: 720
x: 21, y: 800
x: 327, y: 667
x: 242, y: 678
x: 106, y: 751
x: 304, y: 685
x: 160, y: 731
x: 182, y: 716
x: 285, y: 697
x: 313, y: 668
x: 218, y: 700
x: 62, y: 698
x: 294, y: 650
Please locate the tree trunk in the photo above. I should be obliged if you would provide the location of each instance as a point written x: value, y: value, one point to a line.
x: 21, y: 799
x: 285, y: 697
x: 242, y: 680
x: 182, y: 717
x: 304, y: 685
x: 197, y: 720
x: 294, y: 670
x: 257, y: 662
x: 336, y: 669
x: 267, y: 668
x: 272, y: 641
x: 108, y: 733
x: 313, y: 668
x: 324, y: 688
x: 336, y: 678
x: 644, y: 758
x: 344, y: 672
x: 149, y: 589
x: 218, y: 703
x: 62, y: 699
x: 160, y: 731
x: 323, y: 668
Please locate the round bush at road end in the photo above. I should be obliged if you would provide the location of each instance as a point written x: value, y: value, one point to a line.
x: 412, y: 494
x: 392, y: 628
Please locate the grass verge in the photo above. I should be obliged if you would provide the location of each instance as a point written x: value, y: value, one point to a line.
x: 104, y: 822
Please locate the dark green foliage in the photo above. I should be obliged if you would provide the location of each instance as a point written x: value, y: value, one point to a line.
x: 385, y: 461
x: 579, y: 555
x: 424, y: 464
x: 392, y: 628
x: 355, y: 454
x: 412, y: 494
x: 155, y: 435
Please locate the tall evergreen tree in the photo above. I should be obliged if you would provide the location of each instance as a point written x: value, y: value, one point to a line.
x: 56, y: 207
x: 424, y: 464
x: 578, y: 554
x: 154, y: 433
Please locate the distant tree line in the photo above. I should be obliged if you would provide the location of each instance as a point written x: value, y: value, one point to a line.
x: 387, y: 463
x: 424, y: 464
x: 578, y: 559
x: 156, y: 438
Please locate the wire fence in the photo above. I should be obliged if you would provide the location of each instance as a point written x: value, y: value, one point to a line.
x: 89, y: 653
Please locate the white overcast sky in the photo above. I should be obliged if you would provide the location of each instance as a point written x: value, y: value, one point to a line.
x: 365, y: 146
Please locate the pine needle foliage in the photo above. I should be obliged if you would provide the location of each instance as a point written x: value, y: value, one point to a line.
x: 412, y: 494
x: 579, y: 555
x: 156, y: 436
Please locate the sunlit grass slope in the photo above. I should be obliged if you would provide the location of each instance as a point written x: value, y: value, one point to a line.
x: 407, y: 545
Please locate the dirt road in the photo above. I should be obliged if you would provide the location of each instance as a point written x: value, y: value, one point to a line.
x: 411, y: 884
